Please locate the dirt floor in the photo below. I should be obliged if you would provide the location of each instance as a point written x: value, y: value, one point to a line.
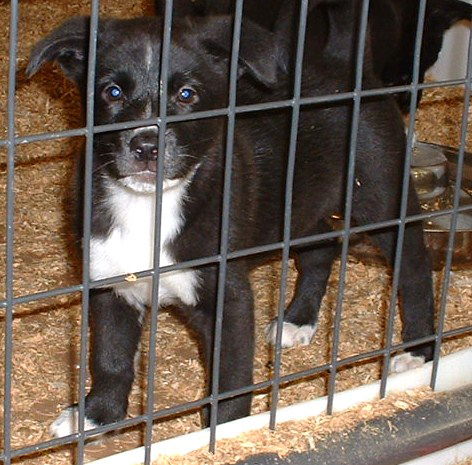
x: 46, y: 333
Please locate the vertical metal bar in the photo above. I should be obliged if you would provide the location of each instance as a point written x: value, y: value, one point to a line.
x: 10, y: 218
x: 404, y: 200
x: 348, y: 203
x: 457, y: 190
x: 163, y: 85
x: 87, y: 218
x: 297, y: 85
x: 233, y: 77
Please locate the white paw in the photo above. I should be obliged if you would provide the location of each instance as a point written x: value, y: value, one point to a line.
x: 292, y: 335
x: 67, y: 423
x: 405, y: 362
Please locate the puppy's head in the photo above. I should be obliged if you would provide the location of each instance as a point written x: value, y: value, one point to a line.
x: 127, y: 88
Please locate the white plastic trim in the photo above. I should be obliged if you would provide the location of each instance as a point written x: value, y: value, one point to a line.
x: 454, y: 372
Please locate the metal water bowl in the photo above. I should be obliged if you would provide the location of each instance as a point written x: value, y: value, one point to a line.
x: 434, y: 175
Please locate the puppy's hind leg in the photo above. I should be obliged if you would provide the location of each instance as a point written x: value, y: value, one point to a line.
x: 115, y: 334
x: 415, y: 284
x: 314, y: 267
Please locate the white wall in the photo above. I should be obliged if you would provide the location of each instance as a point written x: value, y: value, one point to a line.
x: 452, y: 62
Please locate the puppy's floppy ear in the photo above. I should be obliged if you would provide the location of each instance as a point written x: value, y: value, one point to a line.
x: 66, y: 45
x: 259, y: 52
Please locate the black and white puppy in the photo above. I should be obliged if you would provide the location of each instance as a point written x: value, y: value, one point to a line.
x: 127, y: 77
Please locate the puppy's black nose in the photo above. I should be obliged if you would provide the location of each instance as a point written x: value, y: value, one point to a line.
x: 144, y: 146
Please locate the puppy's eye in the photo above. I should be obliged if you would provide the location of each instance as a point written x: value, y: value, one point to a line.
x: 187, y: 95
x: 113, y: 93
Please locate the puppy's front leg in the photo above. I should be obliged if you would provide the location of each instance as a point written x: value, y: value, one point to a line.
x: 115, y: 333
x: 237, y: 343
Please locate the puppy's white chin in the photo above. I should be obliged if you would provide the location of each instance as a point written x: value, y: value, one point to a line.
x: 146, y: 187
x: 138, y: 186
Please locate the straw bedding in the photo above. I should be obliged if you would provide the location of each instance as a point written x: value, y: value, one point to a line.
x: 47, y: 333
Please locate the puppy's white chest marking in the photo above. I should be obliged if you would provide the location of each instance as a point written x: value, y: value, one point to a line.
x: 129, y: 247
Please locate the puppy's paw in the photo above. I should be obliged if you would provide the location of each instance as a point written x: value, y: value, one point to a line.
x: 67, y: 423
x: 405, y: 362
x: 292, y: 335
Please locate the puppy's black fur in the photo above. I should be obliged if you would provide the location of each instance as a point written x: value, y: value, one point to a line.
x: 392, y: 28
x: 127, y: 78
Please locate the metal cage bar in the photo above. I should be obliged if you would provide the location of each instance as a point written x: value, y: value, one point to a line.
x: 182, y: 408
x: 452, y: 231
x: 225, y: 217
x: 297, y: 85
x: 18, y: 140
x: 348, y: 202
x: 87, y: 218
x: 163, y: 87
x: 308, y: 240
x: 404, y: 196
x: 10, y: 217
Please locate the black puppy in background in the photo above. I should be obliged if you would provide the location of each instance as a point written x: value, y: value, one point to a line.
x: 127, y: 77
x: 392, y: 28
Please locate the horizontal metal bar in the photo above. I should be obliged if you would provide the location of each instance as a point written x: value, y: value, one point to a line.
x: 375, y: 353
x: 224, y: 111
x: 303, y: 241
x: 160, y: 414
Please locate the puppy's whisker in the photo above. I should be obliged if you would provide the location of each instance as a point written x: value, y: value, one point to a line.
x: 198, y: 142
x: 104, y: 154
x: 187, y: 155
x: 105, y: 144
x: 103, y: 166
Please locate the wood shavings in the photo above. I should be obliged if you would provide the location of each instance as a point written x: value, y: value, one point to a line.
x: 47, y: 332
x: 303, y: 435
x: 131, y: 278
